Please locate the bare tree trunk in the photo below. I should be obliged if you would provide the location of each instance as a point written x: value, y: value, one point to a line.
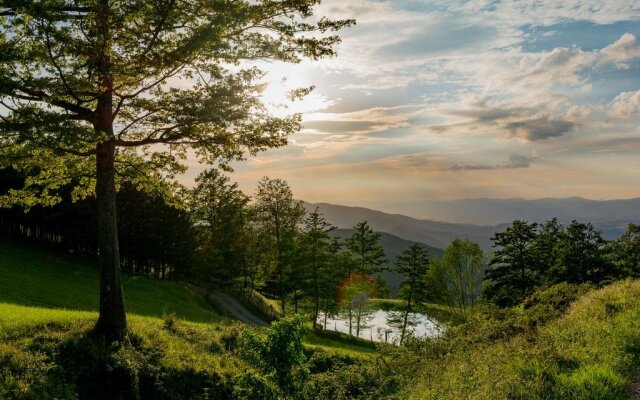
x: 112, y: 322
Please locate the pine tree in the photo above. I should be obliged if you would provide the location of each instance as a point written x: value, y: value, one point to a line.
x: 413, y: 264
x: 513, y: 275
x: 99, y: 91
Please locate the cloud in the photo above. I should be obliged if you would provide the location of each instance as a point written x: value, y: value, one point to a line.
x: 621, y: 51
x: 488, y: 113
x: 539, y: 128
x: 445, y: 36
x: 625, y: 104
x: 515, y: 161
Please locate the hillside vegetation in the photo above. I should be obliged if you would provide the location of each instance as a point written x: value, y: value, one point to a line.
x: 591, y: 352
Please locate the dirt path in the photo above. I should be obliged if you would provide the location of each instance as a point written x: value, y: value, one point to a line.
x: 237, y: 310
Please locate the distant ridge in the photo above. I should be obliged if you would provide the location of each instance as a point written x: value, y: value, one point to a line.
x: 435, y: 234
x: 486, y: 211
x: 489, y: 216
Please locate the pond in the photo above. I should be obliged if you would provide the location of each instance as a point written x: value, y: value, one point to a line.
x: 378, y: 329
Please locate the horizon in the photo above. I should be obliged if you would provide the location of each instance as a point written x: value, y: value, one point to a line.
x: 460, y: 219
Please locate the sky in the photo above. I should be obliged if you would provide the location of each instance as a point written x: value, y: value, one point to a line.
x: 439, y: 100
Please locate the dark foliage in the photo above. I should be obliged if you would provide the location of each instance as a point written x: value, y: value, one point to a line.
x: 155, y: 238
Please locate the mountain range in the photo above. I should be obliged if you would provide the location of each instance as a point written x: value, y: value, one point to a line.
x: 486, y: 211
x: 479, y: 219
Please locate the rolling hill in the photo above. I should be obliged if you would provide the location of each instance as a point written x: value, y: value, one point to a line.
x: 491, y: 215
x: 37, y: 278
x: 431, y: 233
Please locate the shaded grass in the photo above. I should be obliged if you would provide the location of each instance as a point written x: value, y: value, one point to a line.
x: 48, y: 353
x: 340, y: 343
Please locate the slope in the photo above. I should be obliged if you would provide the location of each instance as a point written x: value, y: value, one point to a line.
x: 32, y: 277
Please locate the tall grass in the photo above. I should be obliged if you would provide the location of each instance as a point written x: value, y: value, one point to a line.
x: 589, y: 354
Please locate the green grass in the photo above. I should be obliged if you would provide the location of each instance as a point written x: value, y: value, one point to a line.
x: 590, y: 353
x: 40, y: 288
x: 340, y: 343
x: 48, y: 353
x: 33, y: 277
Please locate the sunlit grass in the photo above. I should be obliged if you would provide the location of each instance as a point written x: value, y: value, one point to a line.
x: 590, y: 353
x: 32, y: 277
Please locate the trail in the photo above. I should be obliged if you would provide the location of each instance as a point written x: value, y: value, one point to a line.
x: 237, y: 310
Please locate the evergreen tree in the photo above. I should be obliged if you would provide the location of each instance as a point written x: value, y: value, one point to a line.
x: 316, y: 245
x: 333, y: 275
x: 99, y: 90
x: 218, y: 211
x: 413, y: 264
x: 626, y: 252
x: 366, y: 248
x: 583, y: 255
x: 279, y: 215
x: 547, y: 247
x: 367, y: 254
x: 513, y: 272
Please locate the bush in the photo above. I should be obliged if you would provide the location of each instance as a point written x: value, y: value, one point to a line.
x: 550, y: 303
x: 279, y: 353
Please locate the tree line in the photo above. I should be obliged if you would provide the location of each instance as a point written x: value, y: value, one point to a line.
x: 269, y: 243
x: 157, y: 239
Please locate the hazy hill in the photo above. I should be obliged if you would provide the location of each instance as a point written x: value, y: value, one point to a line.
x: 432, y: 233
x: 607, y: 213
x: 393, y: 246
x: 490, y: 216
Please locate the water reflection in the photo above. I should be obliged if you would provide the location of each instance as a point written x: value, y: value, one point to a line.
x: 378, y: 329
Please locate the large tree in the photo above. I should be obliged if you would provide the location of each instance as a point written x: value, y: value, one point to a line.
x: 93, y: 90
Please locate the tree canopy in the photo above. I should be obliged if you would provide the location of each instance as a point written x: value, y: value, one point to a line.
x: 99, y: 91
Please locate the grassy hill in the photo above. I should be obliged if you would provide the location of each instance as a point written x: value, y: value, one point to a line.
x: 32, y: 277
x: 591, y: 352
x: 41, y: 287
x: 179, y: 347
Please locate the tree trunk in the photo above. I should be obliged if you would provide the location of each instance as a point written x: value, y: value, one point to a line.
x: 406, y: 317
x: 112, y: 322
x: 316, y: 292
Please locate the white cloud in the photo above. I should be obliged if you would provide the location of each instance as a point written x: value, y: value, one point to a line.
x: 625, y: 104
x: 621, y: 51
